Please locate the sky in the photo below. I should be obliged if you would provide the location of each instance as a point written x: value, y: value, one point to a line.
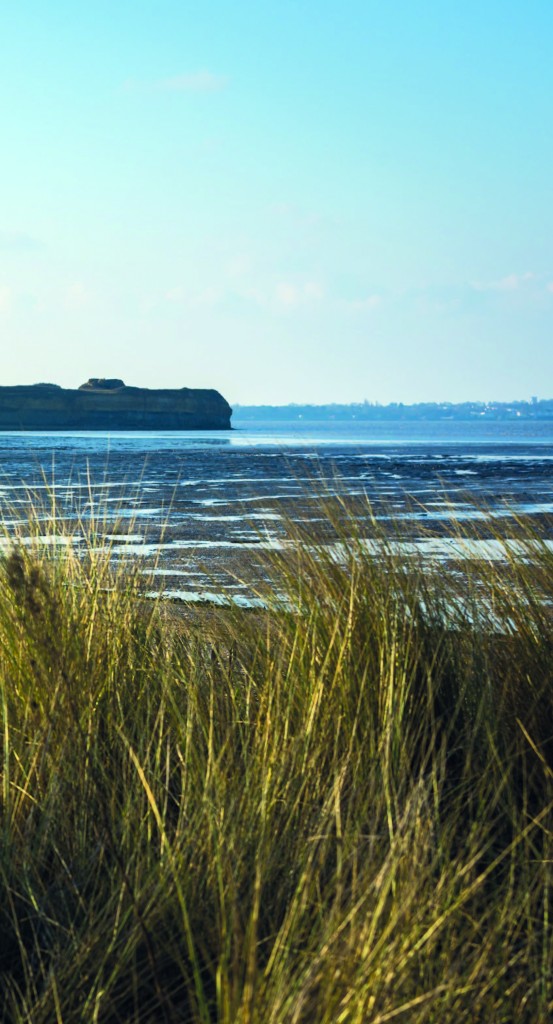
x: 295, y: 202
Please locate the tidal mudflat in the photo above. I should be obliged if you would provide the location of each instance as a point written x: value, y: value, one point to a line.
x: 195, y: 508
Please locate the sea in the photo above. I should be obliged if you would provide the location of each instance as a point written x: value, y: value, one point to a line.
x: 193, y: 509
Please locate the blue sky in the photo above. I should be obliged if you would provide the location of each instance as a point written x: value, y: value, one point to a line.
x: 290, y: 202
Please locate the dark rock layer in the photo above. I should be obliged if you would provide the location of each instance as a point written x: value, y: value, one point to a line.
x: 110, y: 405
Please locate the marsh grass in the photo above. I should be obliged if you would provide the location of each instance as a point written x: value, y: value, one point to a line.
x: 335, y: 813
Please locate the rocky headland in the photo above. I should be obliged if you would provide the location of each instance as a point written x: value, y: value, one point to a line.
x: 108, y: 404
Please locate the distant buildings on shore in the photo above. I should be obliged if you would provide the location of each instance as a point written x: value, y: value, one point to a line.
x: 535, y: 409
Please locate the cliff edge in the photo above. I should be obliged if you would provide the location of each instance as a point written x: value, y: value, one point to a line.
x: 108, y: 404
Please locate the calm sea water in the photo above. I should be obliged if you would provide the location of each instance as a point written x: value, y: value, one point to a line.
x: 189, y: 499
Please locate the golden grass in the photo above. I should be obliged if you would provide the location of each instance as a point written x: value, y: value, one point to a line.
x: 340, y: 813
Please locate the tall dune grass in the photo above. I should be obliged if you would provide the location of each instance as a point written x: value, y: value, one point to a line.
x: 339, y: 813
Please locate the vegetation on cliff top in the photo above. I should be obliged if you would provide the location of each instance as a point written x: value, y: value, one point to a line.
x: 338, y: 814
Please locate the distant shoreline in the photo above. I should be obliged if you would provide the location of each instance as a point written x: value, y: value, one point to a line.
x: 537, y: 409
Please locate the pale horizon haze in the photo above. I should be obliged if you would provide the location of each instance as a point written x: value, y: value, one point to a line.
x: 302, y: 202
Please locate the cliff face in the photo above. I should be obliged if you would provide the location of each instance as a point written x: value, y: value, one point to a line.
x: 110, y: 405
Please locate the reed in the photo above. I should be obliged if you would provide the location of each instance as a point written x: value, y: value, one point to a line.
x: 335, y: 811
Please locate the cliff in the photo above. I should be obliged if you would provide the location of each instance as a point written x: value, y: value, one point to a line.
x: 110, y: 405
